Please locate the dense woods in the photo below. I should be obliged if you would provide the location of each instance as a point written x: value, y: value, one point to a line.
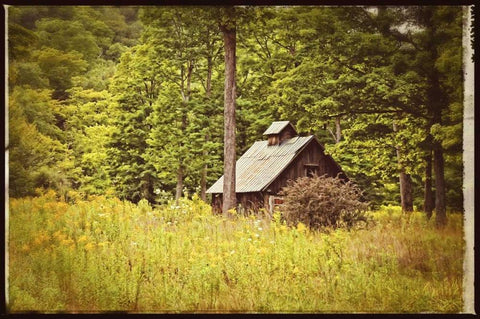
x: 128, y: 101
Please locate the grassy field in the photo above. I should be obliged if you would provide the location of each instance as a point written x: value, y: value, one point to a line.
x: 108, y: 255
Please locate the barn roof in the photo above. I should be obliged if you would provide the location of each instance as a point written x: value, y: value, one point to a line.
x: 261, y: 164
x: 277, y: 127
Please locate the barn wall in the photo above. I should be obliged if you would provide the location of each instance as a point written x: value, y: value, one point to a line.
x: 312, y: 154
x: 217, y: 200
x: 245, y: 202
x: 250, y: 202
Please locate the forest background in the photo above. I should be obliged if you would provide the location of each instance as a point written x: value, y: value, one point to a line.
x: 128, y: 101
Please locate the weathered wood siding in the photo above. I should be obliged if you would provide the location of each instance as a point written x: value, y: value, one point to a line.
x: 245, y: 202
x: 311, y: 155
x: 250, y: 201
x: 287, y: 133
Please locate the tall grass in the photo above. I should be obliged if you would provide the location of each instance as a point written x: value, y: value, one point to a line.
x: 108, y: 255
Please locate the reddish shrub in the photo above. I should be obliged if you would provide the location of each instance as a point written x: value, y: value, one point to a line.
x: 322, y: 201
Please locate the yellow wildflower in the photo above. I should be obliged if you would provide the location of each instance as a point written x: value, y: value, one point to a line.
x: 82, y: 238
x: 103, y: 244
x: 25, y: 247
x: 89, y: 246
x: 67, y: 241
x: 301, y: 227
x: 59, y: 235
x: 41, y: 238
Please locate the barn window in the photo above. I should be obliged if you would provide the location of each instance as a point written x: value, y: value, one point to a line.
x: 311, y: 170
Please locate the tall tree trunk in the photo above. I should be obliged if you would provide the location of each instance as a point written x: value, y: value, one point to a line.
x: 440, y: 207
x: 203, y: 182
x: 229, y: 37
x: 208, y: 93
x: 437, y: 101
x: 405, y: 180
x: 338, y: 130
x: 428, y: 202
x: 179, y: 188
x: 406, y: 192
x: 203, y: 179
x: 186, y: 92
x: 147, y: 189
x: 208, y: 90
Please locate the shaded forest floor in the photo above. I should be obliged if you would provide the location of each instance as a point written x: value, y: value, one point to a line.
x: 108, y: 255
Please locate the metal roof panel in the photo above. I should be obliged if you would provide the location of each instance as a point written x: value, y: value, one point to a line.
x: 261, y: 164
x: 276, y: 127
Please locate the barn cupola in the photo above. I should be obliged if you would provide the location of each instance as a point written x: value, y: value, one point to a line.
x: 279, y: 132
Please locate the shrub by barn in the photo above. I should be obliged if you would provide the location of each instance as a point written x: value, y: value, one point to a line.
x: 323, y: 201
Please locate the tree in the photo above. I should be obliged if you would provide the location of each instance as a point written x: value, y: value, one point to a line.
x: 210, y: 50
x: 88, y: 115
x: 52, y: 49
x: 367, y: 64
x: 136, y: 86
x: 37, y: 156
x: 182, y: 118
x: 436, y: 50
x: 228, y: 28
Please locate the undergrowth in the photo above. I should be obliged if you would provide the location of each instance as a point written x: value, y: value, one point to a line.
x: 107, y: 255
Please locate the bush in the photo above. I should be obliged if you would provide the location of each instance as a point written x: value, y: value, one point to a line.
x: 322, y: 201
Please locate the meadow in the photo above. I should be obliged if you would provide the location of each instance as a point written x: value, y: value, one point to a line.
x: 103, y: 254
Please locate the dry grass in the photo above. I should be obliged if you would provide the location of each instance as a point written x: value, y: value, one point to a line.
x: 107, y: 255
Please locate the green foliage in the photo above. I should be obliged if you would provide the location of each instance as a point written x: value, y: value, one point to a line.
x: 67, y: 36
x: 51, y: 132
x: 89, y: 131
x: 28, y: 74
x: 135, y: 87
x: 35, y: 143
x: 108, y: 255
x: 59, y: 68
x: 146, y: 85
x: 20, y: 41
x: 322, y: 202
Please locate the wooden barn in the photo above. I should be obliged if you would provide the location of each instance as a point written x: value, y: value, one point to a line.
x: 266, y: 167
